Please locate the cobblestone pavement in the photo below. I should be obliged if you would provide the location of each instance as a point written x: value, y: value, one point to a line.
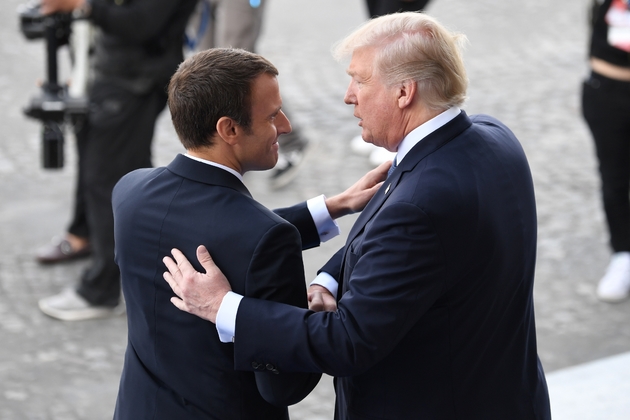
x: 525, y: 61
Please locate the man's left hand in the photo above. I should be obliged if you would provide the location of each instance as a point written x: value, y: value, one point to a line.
x: 320, y: 299
x: 356, y: 197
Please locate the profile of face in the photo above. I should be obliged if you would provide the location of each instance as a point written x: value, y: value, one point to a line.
x: 258, y: 149
x: 375, y: 103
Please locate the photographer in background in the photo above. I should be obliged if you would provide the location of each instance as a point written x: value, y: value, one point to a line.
x: 137, y: 48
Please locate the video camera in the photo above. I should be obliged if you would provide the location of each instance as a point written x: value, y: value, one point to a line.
x: 54, y: 104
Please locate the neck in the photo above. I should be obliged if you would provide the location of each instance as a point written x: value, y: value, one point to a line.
x: 213, y: 154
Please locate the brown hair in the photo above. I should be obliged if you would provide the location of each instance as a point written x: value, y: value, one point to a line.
x: 212, y: 84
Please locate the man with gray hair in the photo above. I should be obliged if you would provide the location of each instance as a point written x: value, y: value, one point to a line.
x: 431, y: 312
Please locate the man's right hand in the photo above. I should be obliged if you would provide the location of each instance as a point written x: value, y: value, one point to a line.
x: 198, y: 293
x: 320, y: 299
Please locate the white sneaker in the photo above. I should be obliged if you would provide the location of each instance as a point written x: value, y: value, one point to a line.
x: 70, y: 306
x: 615, y: 285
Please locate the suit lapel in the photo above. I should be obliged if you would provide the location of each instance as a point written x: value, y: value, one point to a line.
x: 206, y: 174
x: 424, y: 148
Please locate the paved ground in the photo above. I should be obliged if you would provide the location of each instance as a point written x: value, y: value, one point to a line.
x: 525, y: 60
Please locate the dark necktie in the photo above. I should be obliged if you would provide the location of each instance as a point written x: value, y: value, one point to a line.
x: 391, y: 169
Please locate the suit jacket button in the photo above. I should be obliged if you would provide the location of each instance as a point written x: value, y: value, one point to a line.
x: 256, y: 365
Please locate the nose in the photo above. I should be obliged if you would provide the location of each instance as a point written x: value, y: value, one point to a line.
x: 283, y: 125
x: 350, y: 98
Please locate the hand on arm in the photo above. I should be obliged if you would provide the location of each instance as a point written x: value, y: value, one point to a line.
x: 320, y: 299
x: 198, y: 293
x: 356, y: 197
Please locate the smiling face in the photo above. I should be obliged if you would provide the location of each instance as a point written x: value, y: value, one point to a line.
x: 258, y: 148
x: 375, y: 104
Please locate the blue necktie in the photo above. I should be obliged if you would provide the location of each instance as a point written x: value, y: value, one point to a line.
x: 391, y: 169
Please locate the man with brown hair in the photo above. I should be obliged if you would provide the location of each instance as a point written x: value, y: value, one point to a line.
x: 431, y: 299
x: 227, y: 111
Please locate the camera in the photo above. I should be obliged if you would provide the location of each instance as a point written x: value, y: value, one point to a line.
x: 54, y: 105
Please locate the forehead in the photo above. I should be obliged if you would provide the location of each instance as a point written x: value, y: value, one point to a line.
x: 266, y: 91
x: 362, y: 61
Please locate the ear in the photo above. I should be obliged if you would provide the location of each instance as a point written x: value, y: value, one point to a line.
x: 228, y: 130
x: 406, y: 93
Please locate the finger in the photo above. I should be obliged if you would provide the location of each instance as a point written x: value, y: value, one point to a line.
x: 182, y: 262
x: 205, y: 259
x: 172, y: 268
x: 330, y: 305
x: 179, y: 304
x: 376, y: 187
x: 382, y: 169
x: 173, y: 283
x: 316, y: 302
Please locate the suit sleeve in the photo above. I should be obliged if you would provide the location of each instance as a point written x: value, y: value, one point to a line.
x: 276, y: 273
x: 301, y: 218
x: 333, y: 266
x: 396, y: 275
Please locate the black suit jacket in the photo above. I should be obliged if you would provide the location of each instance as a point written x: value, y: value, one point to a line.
x: 175, y: 366
x: 436, y: 317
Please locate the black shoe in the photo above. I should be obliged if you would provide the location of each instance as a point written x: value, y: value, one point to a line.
x: 59, y: 251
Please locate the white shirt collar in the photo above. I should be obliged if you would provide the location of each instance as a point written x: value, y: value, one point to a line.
x: 218, y: 165
x: 419, y: 133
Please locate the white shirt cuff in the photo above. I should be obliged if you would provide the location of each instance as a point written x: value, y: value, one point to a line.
x: 226, y: 317
x: 325, y: 280
x: 326, y: 226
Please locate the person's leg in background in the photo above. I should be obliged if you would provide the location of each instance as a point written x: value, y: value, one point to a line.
x: 605, y: 105
x: 238, y: 24
x: 75, y: 243
x: 120, y: 134
x: 385, y: 7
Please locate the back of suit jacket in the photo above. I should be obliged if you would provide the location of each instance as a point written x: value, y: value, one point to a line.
x: 436, y: 317
x: 175, y: 365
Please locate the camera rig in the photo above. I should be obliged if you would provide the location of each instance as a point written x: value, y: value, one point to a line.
x: 55, y: 103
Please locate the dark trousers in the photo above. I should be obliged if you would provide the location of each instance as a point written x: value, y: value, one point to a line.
x: 118, y: 140
x: 385, y: 7
x: 79, y: 225
x: 606, y: 109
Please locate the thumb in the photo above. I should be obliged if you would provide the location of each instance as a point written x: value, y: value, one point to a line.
x: 204, y: 258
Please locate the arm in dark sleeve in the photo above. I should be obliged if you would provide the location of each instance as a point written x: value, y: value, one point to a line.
x: 301, y: 218
x: 333, y: 266
x: 394, y: 280
x: 276, y: 273
x: 137, y: 22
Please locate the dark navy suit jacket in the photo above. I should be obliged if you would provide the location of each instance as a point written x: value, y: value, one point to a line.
x: 436, y: 316
x: 175, y: 366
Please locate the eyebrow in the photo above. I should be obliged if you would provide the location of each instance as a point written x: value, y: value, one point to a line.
x: 275, y: 112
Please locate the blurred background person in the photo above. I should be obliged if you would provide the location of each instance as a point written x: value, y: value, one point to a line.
x: 238, y: 24
x: 137, y: 47
x: 606, y: 109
